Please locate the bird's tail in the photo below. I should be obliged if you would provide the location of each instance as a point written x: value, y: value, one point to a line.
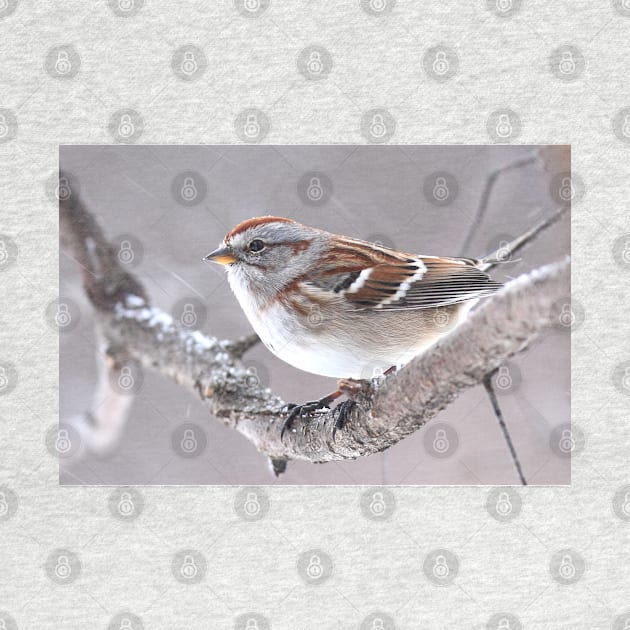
x: 506, y: 251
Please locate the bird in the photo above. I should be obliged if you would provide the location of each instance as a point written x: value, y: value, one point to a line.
x: 343, y: 307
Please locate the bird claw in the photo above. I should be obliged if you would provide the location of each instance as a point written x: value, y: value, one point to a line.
x: 341, y: 413
x: 304, y: 410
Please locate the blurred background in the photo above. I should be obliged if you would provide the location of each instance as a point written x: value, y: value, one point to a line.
x: 165, y: 207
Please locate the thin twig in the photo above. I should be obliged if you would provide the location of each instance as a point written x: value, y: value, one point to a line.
x: 487, y: 383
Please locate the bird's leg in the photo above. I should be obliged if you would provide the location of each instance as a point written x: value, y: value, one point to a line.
x: 348, y: 386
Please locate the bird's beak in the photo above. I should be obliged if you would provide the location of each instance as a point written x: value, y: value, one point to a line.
x: 222, y: 255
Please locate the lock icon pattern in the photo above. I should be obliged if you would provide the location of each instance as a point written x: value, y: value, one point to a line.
x: 441, y: 443
x: 125, y: 624
x: 567, y: 570
x: 63, y: 444
x: 126, y: 128
x: 63, y: 191
x: 189, y: 190
x: 252, y: 505
x: 314, y: 570
x: 189, y: 441
x: 189, y: 64
x: 625, y: 381
x: 567, y: 63
x: 441, y: 64
x: 315, y: 65
x: 377, y: 126
x: 188, y: 317
x: 625, y: 128
x: 440, y: 568
x: 125, y: 505
x: 441, y: 318
x: 625, y: 255
x: 625, y: 506
x: 252, y: 5
x: 126, y: 5
x: 504, y: 378
x: 188, y: 569
x: 62, y: 64
x: 566, y: 443
x: 504, y: 127
x: 504, y: 624
x: 567, y: 317
x: 377, y: 505
x: 377, y: 624
x: 440, y: 190
x: 63, y: 570
x: 125, y: 379
x: 315, y: 191
x: 566, y: 191
x: 378, y: 5
x: 503, y: 505
x: 125, y: 252
x: 252, y: 127
x: 252, y: 624
x: 62, y: 316
x: 503, y: 6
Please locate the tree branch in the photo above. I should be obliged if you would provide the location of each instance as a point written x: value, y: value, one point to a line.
x: 385, y: 412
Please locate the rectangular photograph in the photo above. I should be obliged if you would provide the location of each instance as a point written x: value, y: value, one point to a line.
x: 338, y: 314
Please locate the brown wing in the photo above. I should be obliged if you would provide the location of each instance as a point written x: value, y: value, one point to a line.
x: 383, y: 279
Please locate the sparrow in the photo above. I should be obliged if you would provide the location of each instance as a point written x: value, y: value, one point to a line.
x: 340, y: 306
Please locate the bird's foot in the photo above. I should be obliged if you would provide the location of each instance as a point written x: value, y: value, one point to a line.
x: 305, y: 410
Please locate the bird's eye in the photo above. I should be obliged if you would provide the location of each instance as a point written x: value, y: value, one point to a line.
x: 256, y: 245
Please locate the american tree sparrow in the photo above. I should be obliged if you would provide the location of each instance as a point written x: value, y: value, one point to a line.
x: 340, y: 306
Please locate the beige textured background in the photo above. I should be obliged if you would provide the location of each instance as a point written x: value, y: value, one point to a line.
x: 124, y: 568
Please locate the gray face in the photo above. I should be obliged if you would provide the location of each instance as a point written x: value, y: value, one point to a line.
x: 271, y: 255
